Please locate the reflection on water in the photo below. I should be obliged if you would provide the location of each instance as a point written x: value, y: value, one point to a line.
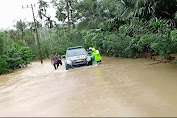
x: 117, y: 87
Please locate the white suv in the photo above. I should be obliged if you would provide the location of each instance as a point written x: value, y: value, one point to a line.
x: 76, y: 56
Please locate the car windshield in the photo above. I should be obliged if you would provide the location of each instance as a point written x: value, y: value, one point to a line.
x: 76, y: 52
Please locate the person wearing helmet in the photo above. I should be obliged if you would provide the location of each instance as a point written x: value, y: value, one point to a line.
x: 91, y: 53
x: 97, y: 56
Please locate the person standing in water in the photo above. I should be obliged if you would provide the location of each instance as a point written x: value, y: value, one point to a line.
x: 54, y: 61
x: 91, y: 53
x: 59, y: 62
x: 97, y: 56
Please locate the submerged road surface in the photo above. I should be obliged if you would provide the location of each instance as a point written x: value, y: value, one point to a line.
x: 117, y: 87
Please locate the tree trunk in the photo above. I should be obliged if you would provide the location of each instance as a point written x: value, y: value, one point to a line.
x: 72, y: 20
x: 23, y: 37
x: 68, y: 15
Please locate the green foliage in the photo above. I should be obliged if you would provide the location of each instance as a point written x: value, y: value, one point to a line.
x: 174, y: 35
x: 155, y: 36
x: 1, y: 43
x: 136, y: 28
x: 93, y: 39
x: 132, y: 48
x: 157, y: 43
x: 4, y: 66
x: 122, y: 28
x: 12, y: 55
x: 19, y: 56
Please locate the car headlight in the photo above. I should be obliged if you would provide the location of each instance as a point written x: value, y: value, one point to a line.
x: 69, y: 62
x: 88, y: 59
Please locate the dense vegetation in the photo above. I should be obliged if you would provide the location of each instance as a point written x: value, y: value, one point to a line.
x: 122, y: 28
x: 12, y: 55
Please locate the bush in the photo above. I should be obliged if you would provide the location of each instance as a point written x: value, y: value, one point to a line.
x: 19, y: 56
x: 157, y: 43
x: 15, y: 56
x: 4, y: 66
x: 115, y: 45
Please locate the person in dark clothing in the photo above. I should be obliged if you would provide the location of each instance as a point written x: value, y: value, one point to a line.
x: 59, y: 62
x: 54, y: 61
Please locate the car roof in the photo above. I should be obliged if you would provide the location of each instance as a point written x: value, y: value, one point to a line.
x: 78, y: 47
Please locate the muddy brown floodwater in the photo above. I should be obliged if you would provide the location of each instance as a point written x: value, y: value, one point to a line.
x: 117, y: 87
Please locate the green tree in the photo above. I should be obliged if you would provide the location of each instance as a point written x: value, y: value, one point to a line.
x: 21, y: 27
x: 66, y: 12
x: 42, y: 12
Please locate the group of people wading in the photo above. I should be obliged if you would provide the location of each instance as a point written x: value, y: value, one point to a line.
x: 56, y: 60
x: 94, y: 54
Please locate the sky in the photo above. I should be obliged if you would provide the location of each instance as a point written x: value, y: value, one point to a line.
x: 11, y: 11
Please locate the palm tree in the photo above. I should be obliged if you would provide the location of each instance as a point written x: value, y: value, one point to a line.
x: 147, y: 9
x: 21, y: 27
x: 66, y: 12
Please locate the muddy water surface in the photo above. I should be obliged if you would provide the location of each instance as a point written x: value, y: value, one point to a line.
x: 117, y: 87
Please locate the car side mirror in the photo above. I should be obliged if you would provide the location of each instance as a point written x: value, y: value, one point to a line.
x: 63, y: 56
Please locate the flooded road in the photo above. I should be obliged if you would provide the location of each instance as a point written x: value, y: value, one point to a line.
x: 117, y: 87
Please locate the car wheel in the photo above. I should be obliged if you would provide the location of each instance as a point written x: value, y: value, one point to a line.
x: 90, y: 63
x: 67, y: 67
